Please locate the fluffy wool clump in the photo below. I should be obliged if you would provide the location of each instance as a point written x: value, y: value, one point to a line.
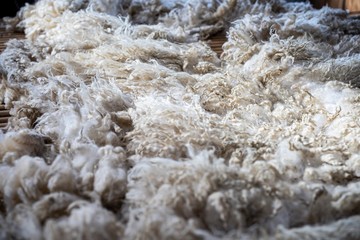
x: 124, y: 125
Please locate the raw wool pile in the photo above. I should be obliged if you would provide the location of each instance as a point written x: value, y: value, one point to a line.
x: 184, y: 20
x: 122, y: 130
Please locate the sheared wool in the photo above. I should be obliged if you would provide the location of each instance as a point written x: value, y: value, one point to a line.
x: 125, y: 125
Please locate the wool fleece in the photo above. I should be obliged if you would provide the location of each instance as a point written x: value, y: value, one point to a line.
x: 126, y: 125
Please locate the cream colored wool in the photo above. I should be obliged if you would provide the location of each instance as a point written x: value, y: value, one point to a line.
x: 127, y: 130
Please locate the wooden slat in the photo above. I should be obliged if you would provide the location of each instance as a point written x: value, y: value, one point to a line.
x: 216, y: 42
x: 4, y: 119
x: 5, y: 36
x: 336, y: 3
x: 4, y: 113
x: 353, y: 6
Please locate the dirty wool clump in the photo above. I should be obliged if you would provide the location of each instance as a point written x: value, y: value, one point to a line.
x: 124, y: 126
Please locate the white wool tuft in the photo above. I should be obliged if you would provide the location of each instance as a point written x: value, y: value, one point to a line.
x: 87, y: 221
x: 125, y: 125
